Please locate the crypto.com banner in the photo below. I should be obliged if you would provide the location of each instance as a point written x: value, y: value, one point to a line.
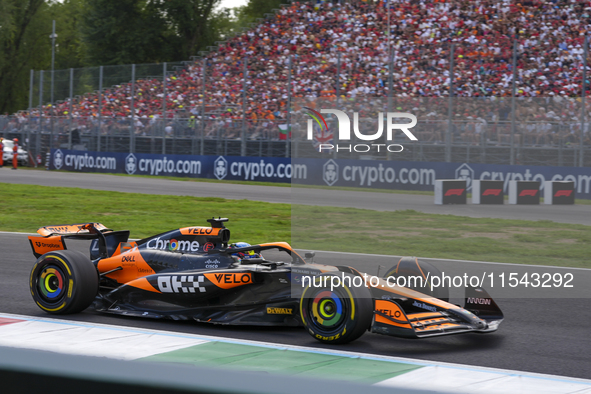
x: 261, y: 169
x: 409, y: 175
x: 402, y: 175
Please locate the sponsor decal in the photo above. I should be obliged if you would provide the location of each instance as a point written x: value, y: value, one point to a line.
x: 44, y: 245
x: 144, y: 271
x: 220, y: 168
x: 454, y: 192
x: 58, y: 159
x: 279, y: 311
x: 528, y: 192
x: 208, y: 246
x: 209, y: 263
x: 180, y: 284
x: 166, y: 165
x: 331, y: 338
x: 565, y: 193
x: 66, y: 229
x: 173, y: 245
x: 130, y: 163
x: 305, y: 271
x: 228, y: 280
x: 492, y: 192
x: 388, y: 312
x: 330, y: 172
x: 481, y: 301
x: 465, y: 172
x: 128, y: 259
x: 200, y: 230
x: 422, y: 305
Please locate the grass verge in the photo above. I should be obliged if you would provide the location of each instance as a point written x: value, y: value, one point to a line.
x: 27, y: 207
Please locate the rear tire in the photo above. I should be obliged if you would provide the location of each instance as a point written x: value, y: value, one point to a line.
x: 411, y: 266
x: 63, y: 282
x: 338, y: 316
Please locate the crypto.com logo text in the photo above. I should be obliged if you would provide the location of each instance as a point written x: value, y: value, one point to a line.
x: 344, y: 131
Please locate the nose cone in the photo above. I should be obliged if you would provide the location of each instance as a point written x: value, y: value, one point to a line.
x: 479, y: 324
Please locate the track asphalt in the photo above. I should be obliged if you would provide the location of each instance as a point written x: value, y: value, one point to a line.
x: 538, y: 335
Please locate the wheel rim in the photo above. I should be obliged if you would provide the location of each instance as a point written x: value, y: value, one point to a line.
x: 51, y: 284
x: 327, y: 310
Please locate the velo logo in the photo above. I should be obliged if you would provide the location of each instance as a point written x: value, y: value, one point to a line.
x: 344, y: 131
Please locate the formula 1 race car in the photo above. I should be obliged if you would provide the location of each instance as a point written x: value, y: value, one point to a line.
x: 194, y: 273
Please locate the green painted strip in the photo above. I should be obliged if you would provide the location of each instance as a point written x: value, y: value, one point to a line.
x: 287, y: 362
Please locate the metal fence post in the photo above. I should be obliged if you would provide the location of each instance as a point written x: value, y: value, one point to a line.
x: 514, y: 65
x: 202, y: 145
x: 70, y: 112
x: 164, y: 86
x: 583, y: 108
x: 335, y: 134
x: 52, y: 113
x: 448, y: 135
x: 40, y: 112
x: 100, y: 114
x: 288, y: 138
x: 390, y: 87
x: 390, y: 63
x: 28, y: 134
x: 132, y: 128
x: 243, y: 145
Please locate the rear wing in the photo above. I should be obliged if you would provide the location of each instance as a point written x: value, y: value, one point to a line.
x: 73, y: 229
x: 105, y: 240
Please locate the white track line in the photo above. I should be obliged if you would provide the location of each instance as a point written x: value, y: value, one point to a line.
x: 49, y: 328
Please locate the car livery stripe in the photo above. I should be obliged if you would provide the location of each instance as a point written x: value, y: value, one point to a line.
x: 142, y: 283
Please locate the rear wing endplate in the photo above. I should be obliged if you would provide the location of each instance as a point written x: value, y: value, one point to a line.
x: 52, y: 238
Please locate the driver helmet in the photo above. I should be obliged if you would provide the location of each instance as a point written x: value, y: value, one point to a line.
x: 249, y: 254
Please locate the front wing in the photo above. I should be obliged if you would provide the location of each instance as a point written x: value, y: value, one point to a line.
x: 390, y: 319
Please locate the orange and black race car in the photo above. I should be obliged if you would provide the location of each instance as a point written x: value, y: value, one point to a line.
x: 195, y: 273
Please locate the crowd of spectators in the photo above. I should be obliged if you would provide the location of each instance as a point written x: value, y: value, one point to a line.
x: 345, y: 50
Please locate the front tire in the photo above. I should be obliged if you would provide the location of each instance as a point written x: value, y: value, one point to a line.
x: 63, y: 282
x: 338, y: 315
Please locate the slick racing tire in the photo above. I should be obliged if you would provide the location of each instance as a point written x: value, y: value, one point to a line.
x: 410, y: 268
x: 336, y: 316
x: 64, y: 282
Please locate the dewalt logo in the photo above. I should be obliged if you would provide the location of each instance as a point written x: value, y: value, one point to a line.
x: 279, y: 311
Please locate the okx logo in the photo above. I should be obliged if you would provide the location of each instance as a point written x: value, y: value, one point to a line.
x: 330, y: 172
x: 320, y: 134
x: 58, y: 159
x: 130, y: 163
x: 220, y: 168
